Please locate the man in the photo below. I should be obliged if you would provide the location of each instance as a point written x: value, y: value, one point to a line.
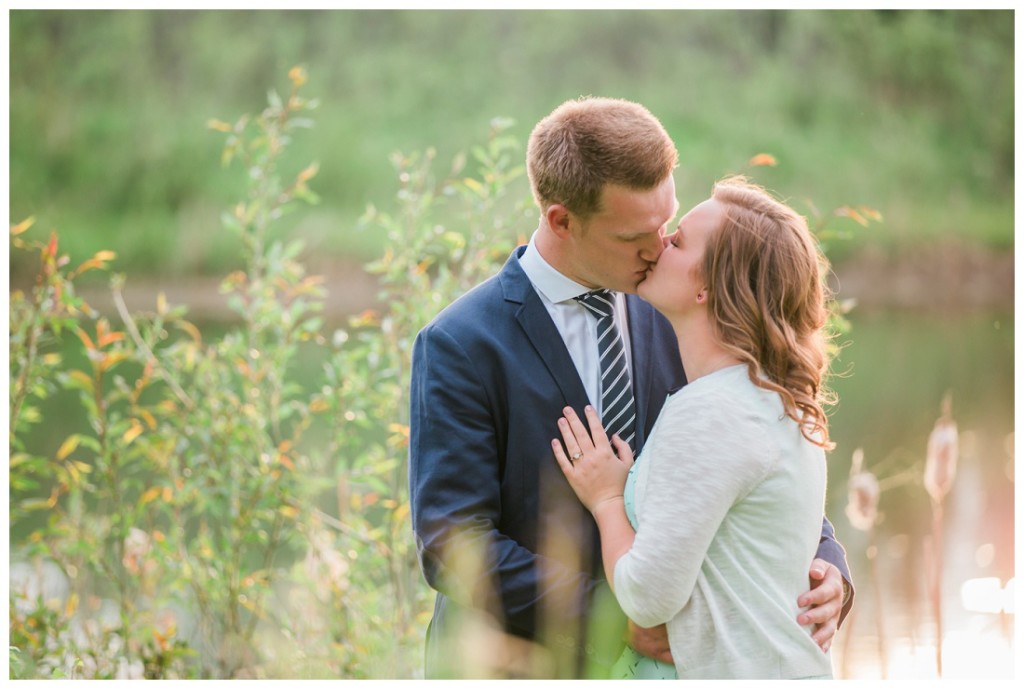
x: 500, y: 534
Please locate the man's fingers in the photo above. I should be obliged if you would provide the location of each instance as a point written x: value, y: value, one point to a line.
x: 820, y: 614
x: 824, y: 634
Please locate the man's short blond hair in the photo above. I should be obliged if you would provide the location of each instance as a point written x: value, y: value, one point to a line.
x: 590, y: 142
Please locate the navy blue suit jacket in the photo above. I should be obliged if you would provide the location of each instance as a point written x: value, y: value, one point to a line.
x: 490, y: 377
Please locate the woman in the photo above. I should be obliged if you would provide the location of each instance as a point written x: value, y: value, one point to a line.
x: 729, y: 489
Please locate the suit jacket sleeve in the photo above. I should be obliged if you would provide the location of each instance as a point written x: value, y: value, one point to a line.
x: 455, y: 473
x: 831, y: 551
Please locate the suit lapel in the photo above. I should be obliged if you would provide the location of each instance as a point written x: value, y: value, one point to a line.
x: 536, y: 323
x: 641, y: 332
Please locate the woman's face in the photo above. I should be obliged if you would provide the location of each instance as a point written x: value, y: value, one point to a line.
x: 672, y: 284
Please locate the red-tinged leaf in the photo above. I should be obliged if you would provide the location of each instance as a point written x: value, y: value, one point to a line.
x: 847, y: 212
x: 871, y: 213
x: 51, y: 248
x: 110, y: 338
x: 287, y: 462
x: 86, y: 340
x: 309, y: 173
x: 366, y: 318
x: 763, y: 159
x: 22, y: 226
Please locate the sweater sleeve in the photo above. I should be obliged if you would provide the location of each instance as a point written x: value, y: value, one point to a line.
x: 703, y: 459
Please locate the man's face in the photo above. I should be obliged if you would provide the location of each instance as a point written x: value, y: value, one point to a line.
x: 673, y: 284
x: 614, y: 248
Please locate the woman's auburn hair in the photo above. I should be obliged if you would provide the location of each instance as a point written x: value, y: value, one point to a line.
x: 769, y: 301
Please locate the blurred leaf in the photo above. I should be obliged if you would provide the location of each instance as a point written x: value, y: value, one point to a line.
x: 22, y: 226
x: 846, y: 211
x: 81, y: 380
x: 763, y: 159
x: 109, y: 338
x: 308, y: 173
x: 298, y: 75
x: 192, y: 330
x: 86, y: 340
x: 150, y: 495
x: 68, y: 446
x: 218, y: 125
x: 871, y: 213
x: 132, y: 433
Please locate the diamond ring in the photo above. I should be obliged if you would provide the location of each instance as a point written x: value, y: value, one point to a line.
x: 577, y: 456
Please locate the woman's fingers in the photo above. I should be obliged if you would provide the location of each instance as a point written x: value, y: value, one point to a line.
x: 579, y: 434
x: 623, y: 450
x: 563, y: 461
x: 569, y: 437
x: 596, y: 429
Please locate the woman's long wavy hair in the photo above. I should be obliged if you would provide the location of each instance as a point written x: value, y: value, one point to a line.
x: 769, y: 301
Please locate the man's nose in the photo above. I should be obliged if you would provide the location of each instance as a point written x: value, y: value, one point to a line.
x: 652, y: 252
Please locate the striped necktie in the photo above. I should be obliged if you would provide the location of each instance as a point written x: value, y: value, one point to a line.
x: 618, y: 410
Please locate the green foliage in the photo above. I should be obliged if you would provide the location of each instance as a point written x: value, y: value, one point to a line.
x: 214, y: 517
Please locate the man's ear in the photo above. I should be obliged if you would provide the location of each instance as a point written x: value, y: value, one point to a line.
x: 559, y: 219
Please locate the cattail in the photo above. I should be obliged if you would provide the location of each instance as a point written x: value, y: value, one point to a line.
x: 863, y: 493
x: 939, y: 471
x: 862, y: 511
x: 940, y: 468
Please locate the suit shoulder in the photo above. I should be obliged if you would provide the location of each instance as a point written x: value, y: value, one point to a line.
x: 471, y: 310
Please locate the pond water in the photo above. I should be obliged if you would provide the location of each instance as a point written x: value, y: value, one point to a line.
x: 900, y: 366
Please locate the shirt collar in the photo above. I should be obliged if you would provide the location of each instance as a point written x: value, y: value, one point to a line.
x: 545, y: 278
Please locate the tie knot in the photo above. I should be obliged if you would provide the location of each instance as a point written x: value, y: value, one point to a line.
x: 600, y: 302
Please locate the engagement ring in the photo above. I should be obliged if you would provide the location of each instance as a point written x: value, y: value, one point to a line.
x: 577, y: 456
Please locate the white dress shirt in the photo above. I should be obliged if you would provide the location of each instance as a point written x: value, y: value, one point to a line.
x: 577, y: 327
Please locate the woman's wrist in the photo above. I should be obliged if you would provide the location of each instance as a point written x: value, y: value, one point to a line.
x: 609, y: 507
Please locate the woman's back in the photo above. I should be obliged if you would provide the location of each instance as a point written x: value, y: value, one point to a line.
x: 729, y: 506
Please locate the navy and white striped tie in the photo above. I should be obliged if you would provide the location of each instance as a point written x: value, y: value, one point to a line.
x: 618, y: 410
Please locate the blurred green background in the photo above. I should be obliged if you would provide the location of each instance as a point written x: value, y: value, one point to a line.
x: 908, y: 112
